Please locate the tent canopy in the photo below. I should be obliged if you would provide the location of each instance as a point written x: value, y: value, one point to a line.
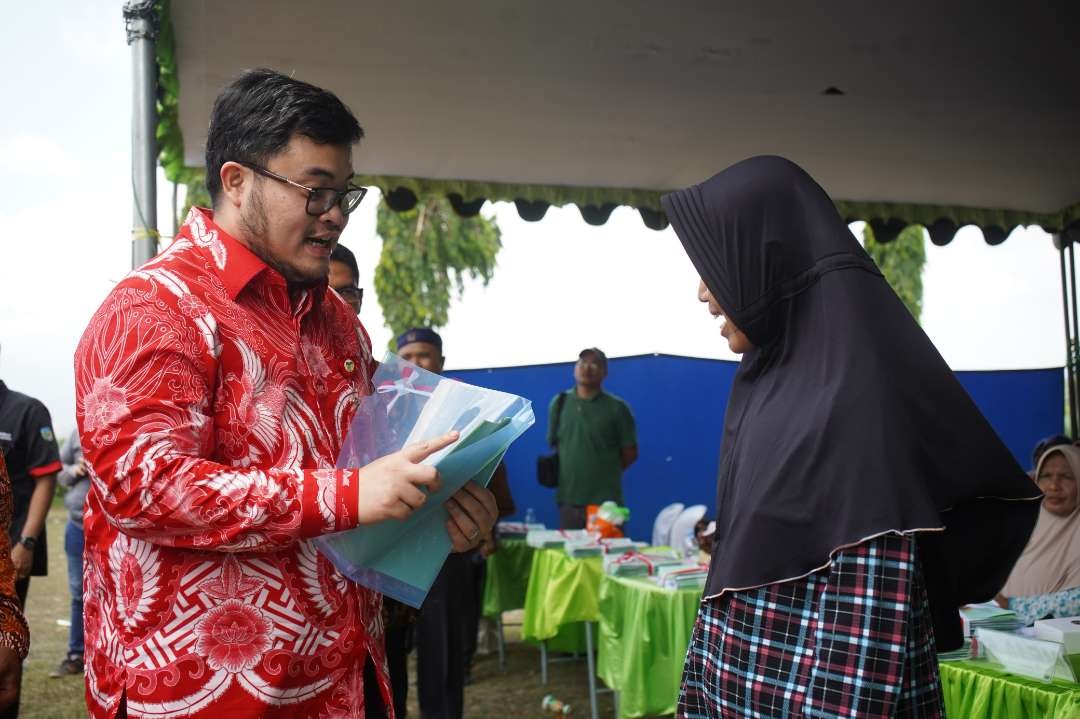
x: 940, y: 114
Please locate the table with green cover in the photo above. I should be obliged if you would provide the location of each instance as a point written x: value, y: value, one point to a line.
x: 644, y: 633
x: 562, y: 593
x: 507, y: 577
x: 981, y: 690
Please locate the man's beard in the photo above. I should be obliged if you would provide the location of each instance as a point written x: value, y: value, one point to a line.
x: 255, y: 223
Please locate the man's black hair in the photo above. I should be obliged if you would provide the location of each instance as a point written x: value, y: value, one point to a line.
x: 257, y: 114
x: 345, y: 256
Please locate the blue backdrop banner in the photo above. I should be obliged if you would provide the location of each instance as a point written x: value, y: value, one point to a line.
x: 679, y: 440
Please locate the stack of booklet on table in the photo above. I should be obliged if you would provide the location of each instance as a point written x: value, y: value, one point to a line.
x: 682, y: 576
x: 557, y: 538
x: 587, y: 548
x: 963, y: 652
x: 988, y: 616
x: 516, y: 529
x: 638, y: 564
x: 603, y: 546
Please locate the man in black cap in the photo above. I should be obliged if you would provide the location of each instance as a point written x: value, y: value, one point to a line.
x: 447, y: 627
x: 595, y: 436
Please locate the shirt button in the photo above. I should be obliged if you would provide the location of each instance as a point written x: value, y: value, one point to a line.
x: 349, y: 365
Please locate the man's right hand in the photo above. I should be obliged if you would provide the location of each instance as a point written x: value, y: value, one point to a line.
x: 390, y: 487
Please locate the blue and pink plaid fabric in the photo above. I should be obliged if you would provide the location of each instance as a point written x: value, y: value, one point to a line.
x: 853, y: 640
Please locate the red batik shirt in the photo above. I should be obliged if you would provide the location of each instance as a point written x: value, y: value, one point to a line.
x: 212, y: 404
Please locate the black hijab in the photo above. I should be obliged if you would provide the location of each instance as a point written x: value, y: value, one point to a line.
x: 844, y: 422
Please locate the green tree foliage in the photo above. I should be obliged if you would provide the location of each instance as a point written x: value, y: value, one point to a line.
x: 196, y: 195
x: 427, y: 252
x: 901, y: 261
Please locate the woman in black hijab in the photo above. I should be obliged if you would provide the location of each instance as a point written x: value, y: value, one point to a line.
x: 861, y: 496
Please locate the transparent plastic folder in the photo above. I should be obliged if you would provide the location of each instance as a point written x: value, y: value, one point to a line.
x: 402, y: 558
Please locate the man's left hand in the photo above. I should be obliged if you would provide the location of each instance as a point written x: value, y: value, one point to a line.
x: 487, y: 545
x: 472, y: 515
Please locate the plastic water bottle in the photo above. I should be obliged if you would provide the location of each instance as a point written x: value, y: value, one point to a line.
x: 530, y: 516
x: 690, y: 546
x: 554, y: 706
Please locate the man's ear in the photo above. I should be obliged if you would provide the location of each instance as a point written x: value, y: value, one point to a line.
x: 234, y: 181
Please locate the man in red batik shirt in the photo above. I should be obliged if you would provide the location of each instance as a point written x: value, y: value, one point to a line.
x: 214, y: 388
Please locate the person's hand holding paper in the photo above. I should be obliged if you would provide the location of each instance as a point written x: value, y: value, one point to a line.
x: 425, y: 447
x: 392, y: 487
x: 473, y: 513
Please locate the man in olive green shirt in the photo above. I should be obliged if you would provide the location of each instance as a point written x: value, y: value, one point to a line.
x: 596, y: 441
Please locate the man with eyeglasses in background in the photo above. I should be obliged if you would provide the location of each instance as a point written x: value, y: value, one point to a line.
x: 345, y: 276
x: 214, y: 388
x: 595, y: 436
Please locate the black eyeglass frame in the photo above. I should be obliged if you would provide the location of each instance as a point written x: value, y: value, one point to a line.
x: 337, y: 198
x: 353, y: 290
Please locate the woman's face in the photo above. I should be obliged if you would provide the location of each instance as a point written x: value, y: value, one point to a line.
x: 737, y: 341
x: 1057, y: 482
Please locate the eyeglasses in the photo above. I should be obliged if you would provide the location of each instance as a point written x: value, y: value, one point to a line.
x: 351, y: 293
x: 320, y: 199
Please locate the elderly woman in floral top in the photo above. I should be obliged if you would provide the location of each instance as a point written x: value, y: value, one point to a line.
x: 14, y: 634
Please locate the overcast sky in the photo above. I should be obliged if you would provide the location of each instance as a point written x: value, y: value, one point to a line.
x: 65, y: 220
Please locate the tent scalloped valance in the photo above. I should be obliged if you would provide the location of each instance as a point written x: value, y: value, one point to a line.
x: 595, y: 203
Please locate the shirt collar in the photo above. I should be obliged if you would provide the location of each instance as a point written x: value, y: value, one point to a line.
x: 239, y: 264
x: 230, y: 259
x: 590, y: 399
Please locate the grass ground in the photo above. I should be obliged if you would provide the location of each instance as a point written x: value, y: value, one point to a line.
x: 516, y: 692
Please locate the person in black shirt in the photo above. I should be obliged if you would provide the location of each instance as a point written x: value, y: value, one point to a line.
x: 33, y: 460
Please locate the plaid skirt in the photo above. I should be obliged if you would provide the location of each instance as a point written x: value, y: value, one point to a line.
x: 852, y: 640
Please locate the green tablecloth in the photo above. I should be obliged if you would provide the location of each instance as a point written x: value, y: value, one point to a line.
x: 507, y: 577
x: 979, y: 690
x: 562, y: 591
x: 644, y: 633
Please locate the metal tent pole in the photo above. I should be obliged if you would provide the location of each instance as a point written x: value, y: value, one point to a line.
x: 1070, y: 366
x: 1075, y: 332
x: 141, y: 21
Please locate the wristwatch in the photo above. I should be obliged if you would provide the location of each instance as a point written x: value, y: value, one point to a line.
x: 28, y: 542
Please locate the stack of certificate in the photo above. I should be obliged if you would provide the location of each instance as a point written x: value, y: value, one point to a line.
x: 637, y: 564
x: 557, y: 538
x: 988, y: 616
x: 682, y: 576
x: 402, y: 558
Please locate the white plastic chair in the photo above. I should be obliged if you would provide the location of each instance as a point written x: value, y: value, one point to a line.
x: 684, y: 526
x: 661, y: 529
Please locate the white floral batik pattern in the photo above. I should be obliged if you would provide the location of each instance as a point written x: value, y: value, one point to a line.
x: 212, y: 406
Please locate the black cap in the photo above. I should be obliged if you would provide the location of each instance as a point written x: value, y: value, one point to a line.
x: 594, y: 351
x: 419, y: 334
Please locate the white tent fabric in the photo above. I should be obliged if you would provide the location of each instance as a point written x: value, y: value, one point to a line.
x: 968, y: 105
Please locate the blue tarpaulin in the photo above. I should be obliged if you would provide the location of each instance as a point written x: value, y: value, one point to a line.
x: 679, y: 404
